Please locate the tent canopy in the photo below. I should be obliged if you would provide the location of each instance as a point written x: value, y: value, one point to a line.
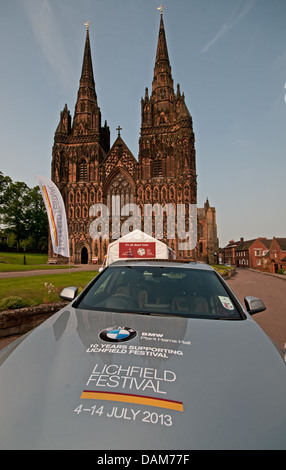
x: 138, y: 245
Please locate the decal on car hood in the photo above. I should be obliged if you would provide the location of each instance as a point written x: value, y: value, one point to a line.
x: 117, y: 334
x: 130, y: 384
x: 114, y: 376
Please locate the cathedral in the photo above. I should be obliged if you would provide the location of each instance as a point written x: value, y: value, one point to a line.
x: 92, y: 175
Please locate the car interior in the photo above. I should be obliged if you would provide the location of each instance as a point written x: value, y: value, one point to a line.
x: 160, y: 290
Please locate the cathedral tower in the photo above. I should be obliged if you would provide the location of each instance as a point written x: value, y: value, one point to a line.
x: 79, y: 149
x: 167, y: 154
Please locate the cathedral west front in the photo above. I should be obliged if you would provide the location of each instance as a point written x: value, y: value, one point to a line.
x: 94, y: 177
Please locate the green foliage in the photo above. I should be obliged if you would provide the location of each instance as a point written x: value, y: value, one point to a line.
x: 12, y: 302
x: 23, y: 214
x: 222, y: 269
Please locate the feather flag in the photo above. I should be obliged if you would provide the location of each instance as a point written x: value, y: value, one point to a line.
x: 56, y: 214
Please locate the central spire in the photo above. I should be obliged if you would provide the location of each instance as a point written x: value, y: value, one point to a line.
x: 162, y: 50
x: 87, y: 69
x: 86, y: 107
x: 162, y: 85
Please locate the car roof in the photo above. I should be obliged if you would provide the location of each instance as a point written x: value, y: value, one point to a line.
x: 163, y: 263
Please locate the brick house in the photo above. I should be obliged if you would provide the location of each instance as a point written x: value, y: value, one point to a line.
x: 228, y: 252
x: 277, y: 255
x: 259, y: 253
x: 251, y: 253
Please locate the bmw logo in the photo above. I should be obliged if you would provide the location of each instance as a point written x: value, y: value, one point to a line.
x: 117, y: 334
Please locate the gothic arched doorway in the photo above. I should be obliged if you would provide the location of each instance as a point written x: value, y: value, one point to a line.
x: 84, y: 256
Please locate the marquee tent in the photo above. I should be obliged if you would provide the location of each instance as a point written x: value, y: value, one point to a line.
x: 137, y: 245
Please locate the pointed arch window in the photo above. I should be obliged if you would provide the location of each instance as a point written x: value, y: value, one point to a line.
x: 82, y: 170
x: 157, y: 168
x: 119, y: 193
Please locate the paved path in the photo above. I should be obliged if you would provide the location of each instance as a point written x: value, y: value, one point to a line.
x: 43, y: 272
x: 272, y: 290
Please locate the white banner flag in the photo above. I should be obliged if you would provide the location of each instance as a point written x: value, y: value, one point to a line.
x: 56, y: 214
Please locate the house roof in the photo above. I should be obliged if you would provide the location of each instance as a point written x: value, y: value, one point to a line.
x: 247, y: 244
x: 232, y: 244
x: 282, y: 243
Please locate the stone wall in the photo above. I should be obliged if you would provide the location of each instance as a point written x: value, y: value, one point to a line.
x: 22, y: 320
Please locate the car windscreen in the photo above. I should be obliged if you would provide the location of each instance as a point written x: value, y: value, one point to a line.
x: 153, y: 290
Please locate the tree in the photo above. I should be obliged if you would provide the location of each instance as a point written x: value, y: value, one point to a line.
x: 23, y: 214
x: 36, y: 219
x: 13, y: 209
x: 4, y: 182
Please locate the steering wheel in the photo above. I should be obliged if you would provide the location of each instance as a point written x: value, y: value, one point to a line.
x: 121, y: 301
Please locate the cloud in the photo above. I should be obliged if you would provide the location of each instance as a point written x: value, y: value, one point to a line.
x: 241, y: 9
x: 49, y: 37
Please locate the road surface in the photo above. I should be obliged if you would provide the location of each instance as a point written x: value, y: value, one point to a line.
x: 272, y: 290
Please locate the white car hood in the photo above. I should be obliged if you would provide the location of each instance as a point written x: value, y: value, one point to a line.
x: 172, y: 383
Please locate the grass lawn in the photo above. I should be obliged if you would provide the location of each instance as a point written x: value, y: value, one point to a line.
x: 36, y: 290
x: 15, y: 262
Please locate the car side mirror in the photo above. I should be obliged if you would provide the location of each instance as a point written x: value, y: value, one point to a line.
x: 69, y: 293
x: 254, y: 305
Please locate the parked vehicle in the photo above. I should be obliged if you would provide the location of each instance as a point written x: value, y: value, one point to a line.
x: 151, y: 355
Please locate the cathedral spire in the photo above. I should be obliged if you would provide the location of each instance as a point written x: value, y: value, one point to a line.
x: 87, y: 114
x: 162, y: 85
x: 87, y: 69
x: 162, y: 56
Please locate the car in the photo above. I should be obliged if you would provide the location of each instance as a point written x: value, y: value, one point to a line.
x: 150, y: 355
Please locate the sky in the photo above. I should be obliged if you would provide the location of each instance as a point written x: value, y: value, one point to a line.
x: 229, y: 57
